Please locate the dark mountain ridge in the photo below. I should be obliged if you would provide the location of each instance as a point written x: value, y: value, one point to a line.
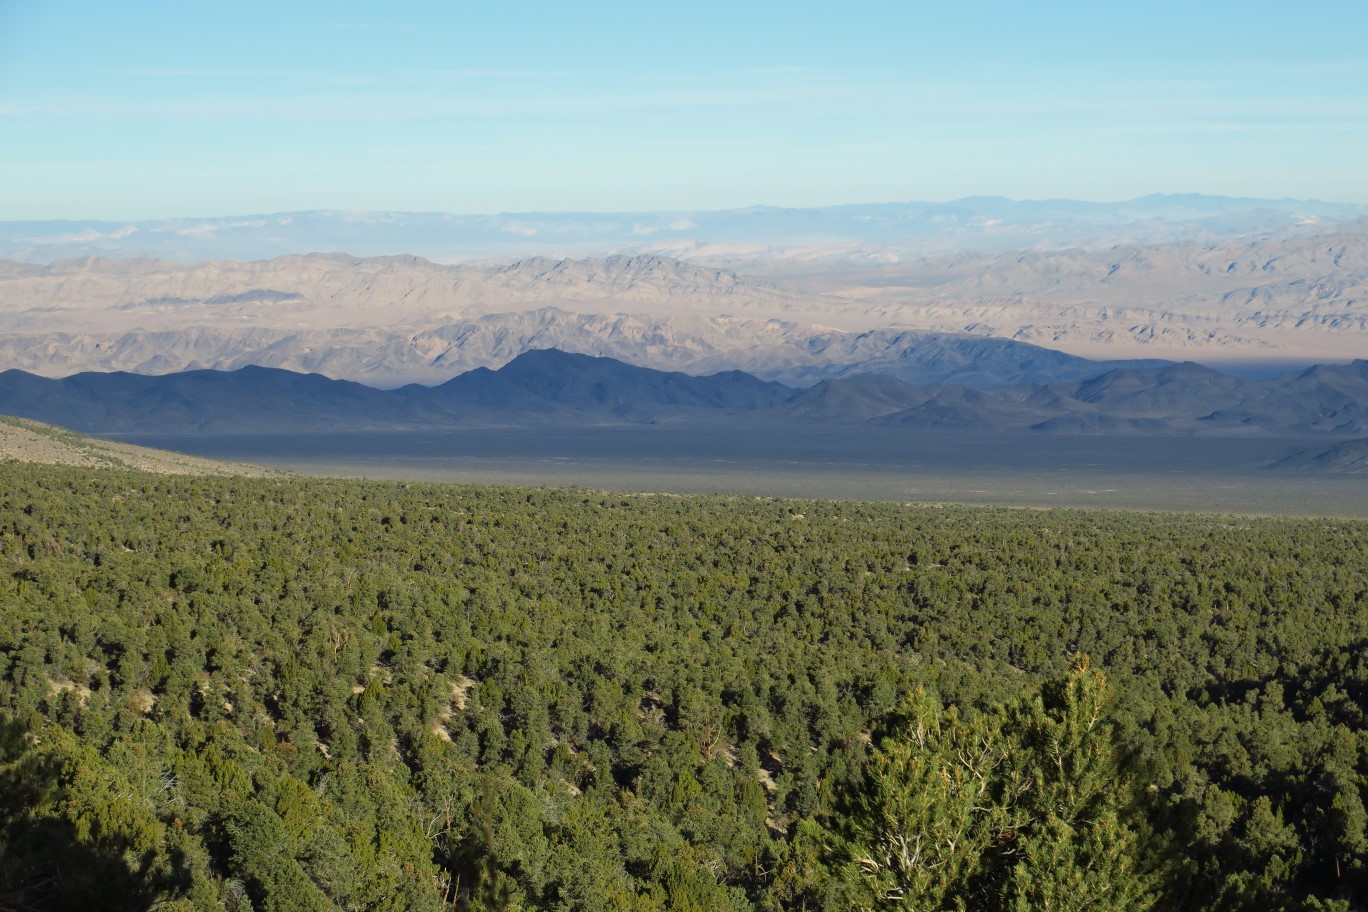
x: 539, y: 386
x: 559, y: 388
x: 548, y: 381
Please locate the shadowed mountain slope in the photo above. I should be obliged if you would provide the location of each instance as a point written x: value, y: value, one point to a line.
x: 1349, y: 457
x: 537, y: 386
x: 552, y: 379
x: 1183, y: 399
x: 558, y: 388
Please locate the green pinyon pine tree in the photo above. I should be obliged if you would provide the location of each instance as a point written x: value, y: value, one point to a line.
x: 1017, y: 808
x: 929, y: 809
x: 1076, y: 852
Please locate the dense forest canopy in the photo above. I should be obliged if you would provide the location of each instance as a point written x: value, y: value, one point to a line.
x: 315, y: 694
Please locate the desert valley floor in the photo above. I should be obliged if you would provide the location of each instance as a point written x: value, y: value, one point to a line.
x: 1227, y: 475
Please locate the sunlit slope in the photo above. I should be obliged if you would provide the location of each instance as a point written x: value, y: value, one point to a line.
x: 27, y: 441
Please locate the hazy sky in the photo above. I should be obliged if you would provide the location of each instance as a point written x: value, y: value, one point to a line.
x: 154, y: 109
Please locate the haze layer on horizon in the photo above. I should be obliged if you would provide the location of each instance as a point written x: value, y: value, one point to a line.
x: 158, y: 109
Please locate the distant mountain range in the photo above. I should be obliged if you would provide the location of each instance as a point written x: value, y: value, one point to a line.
x: 551, y: 388
x: 1172, y: 399
x: 392, y: 320
x: 858, y: 232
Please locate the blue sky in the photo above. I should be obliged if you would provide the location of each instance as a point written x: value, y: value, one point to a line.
x: 156, y: 109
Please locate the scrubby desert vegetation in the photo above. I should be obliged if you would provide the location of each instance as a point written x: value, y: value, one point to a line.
x: 314, y: 694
